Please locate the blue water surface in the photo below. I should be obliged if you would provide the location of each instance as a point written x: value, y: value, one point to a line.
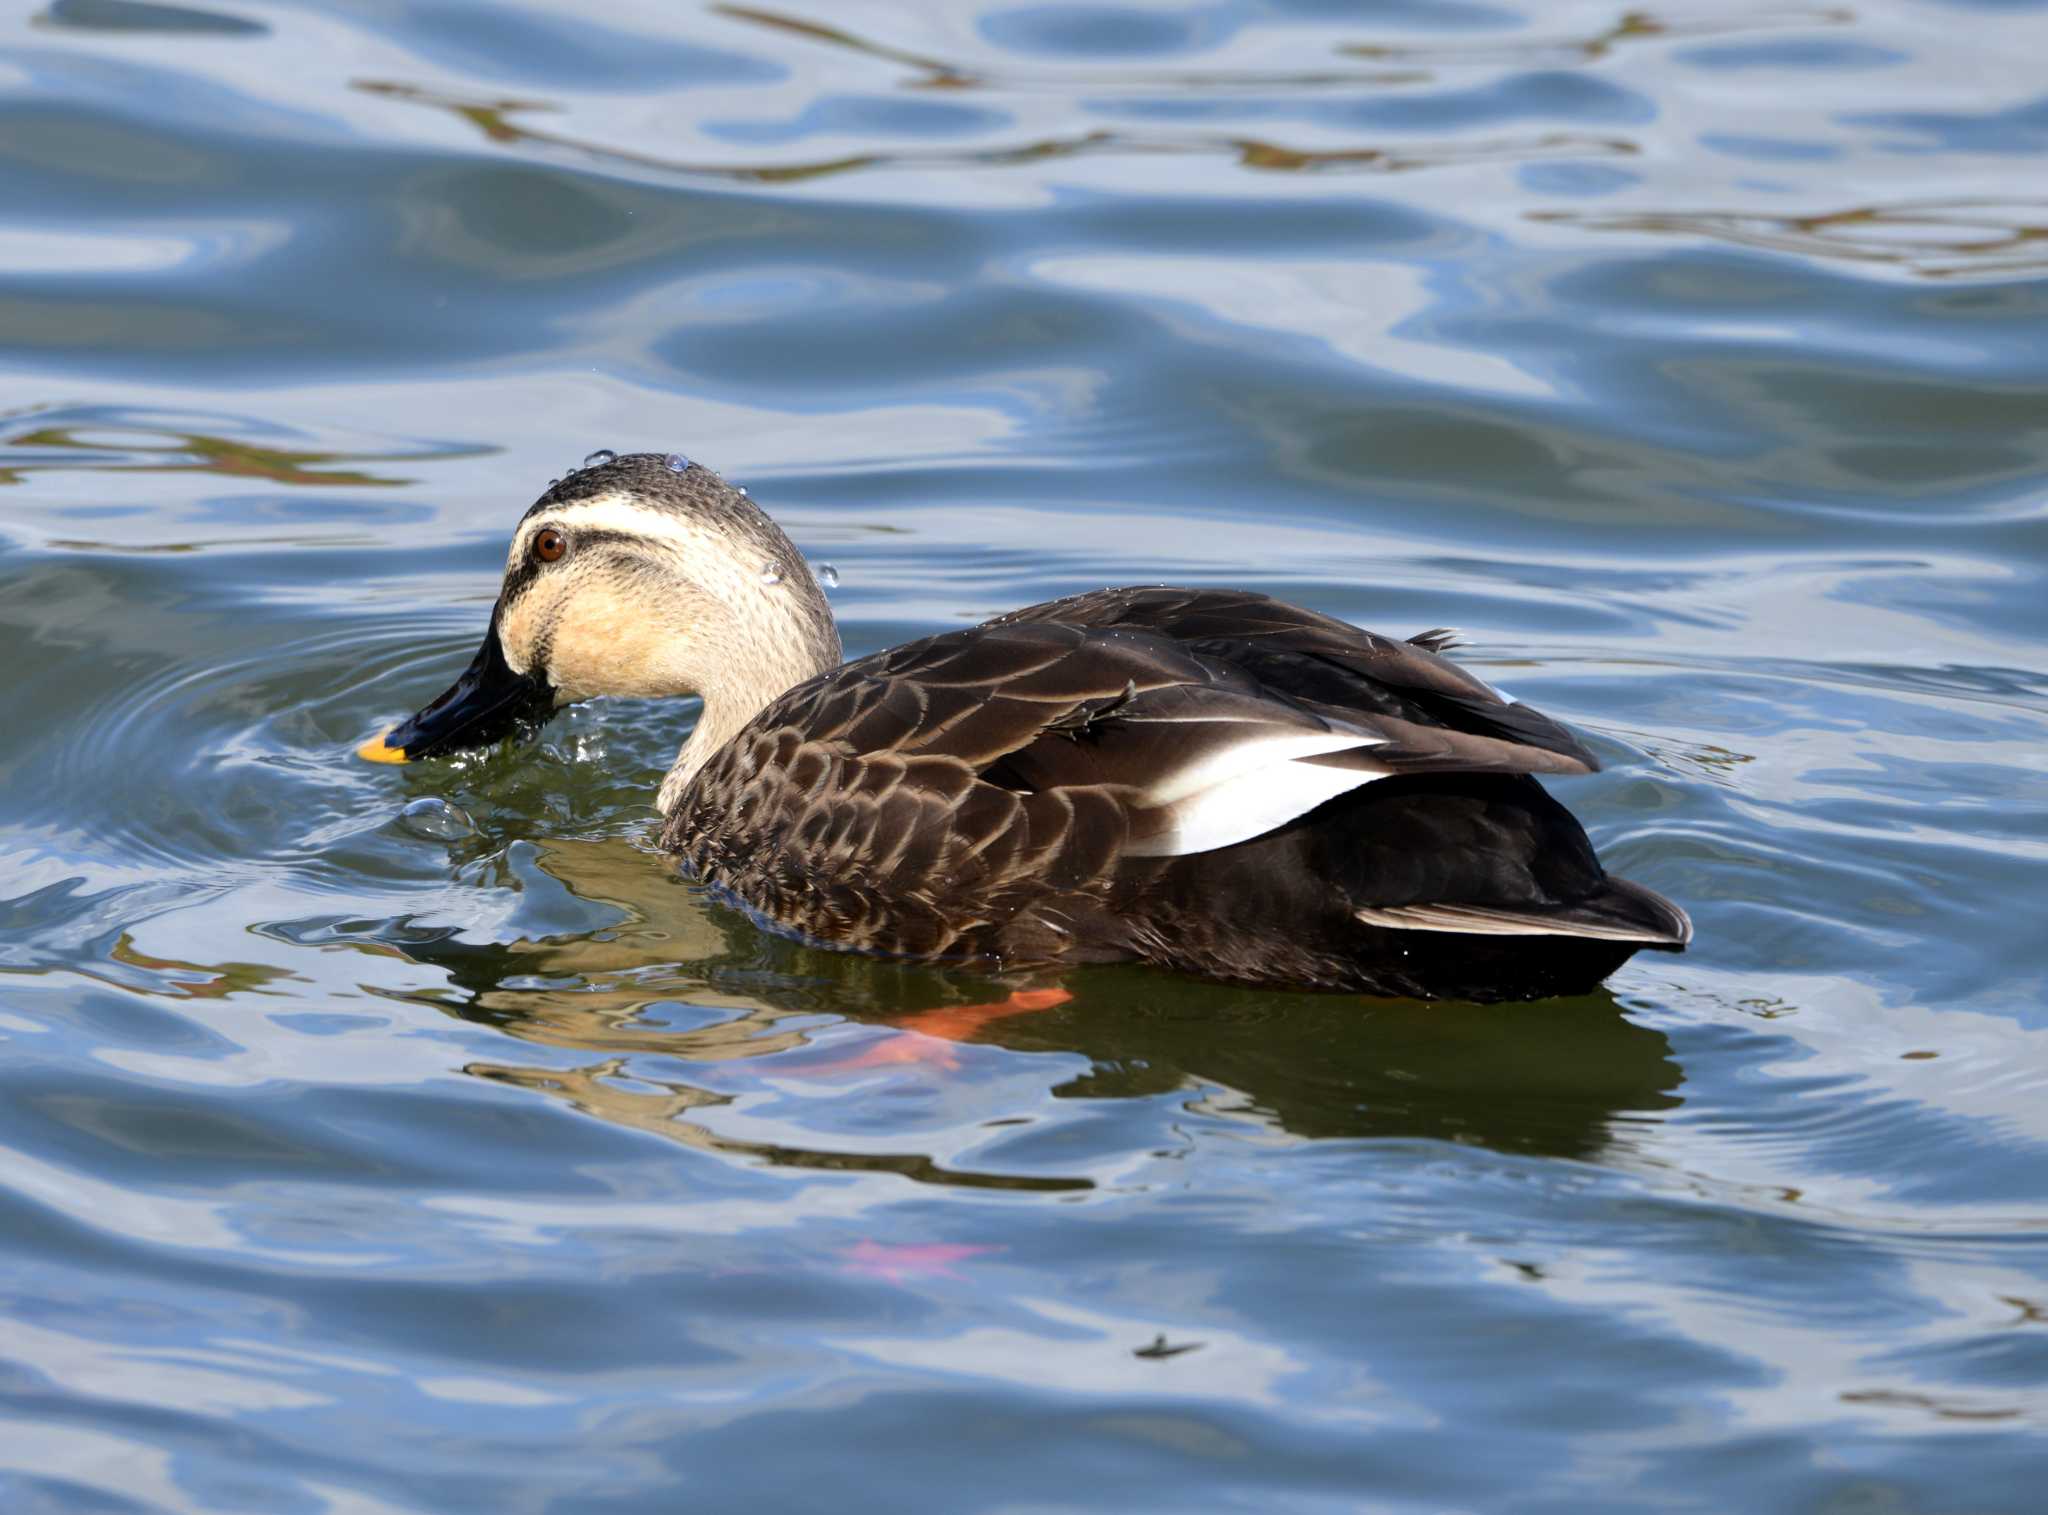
x: 384, y: 1140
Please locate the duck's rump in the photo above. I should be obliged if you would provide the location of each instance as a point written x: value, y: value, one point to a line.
x: 1447, y: 886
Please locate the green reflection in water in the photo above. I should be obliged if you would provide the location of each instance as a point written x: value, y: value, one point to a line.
x: 1563, y: 1078
x: 132, y: 449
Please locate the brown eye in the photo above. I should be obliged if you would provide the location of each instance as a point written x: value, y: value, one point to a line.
x: 549, y: 545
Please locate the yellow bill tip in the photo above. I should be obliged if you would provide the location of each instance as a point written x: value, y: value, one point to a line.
x: 374, y: 751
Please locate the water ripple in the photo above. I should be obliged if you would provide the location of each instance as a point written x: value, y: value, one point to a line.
x: 354, y: 1158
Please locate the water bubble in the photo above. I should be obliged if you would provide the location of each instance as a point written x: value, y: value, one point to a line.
x: 553, y: 482
x: 828, y: 576
x: 743, y: 489
x: 437, y: 820
x: 602, y: 456
x: 676, y: 462
x: 772, y: 574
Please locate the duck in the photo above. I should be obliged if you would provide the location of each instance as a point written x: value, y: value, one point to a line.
x: 1210, y: 781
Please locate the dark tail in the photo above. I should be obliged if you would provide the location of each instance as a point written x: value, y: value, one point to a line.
x: 1621, y: 906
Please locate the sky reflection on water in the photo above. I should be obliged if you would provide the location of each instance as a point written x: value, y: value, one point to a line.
x: 1692, y: 361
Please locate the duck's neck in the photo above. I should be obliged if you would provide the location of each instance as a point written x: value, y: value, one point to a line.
x: 746, y: 681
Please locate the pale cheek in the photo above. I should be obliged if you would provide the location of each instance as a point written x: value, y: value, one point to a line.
x: 605, y: 647
x: 515, y: 636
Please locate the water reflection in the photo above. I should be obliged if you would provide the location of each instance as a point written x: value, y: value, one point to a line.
x: 183, y: 980
x: 676, y: 979
x: 493, y: 117
x: 1936, y: 239
x: 1631, y: 27
x: 120, y: 441
x: 663, y: 1110
x: 505, y: 1143
x: 139, y: 16
x: 932, y: 72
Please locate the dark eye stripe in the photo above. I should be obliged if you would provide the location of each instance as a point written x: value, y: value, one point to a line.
x: 585, y: 539
x: 531, y: 567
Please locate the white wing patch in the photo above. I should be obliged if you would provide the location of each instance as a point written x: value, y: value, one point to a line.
x: 1246, y: 789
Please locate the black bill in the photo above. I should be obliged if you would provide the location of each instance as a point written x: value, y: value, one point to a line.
x: 488, y: 703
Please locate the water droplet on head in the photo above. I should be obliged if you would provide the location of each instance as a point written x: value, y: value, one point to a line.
x: 436, y: 820
x: 828, y: 576
x: 772, y: 574
x: 676, y: 462
x: 553, y: 482
x: 601, y: 456
x: 742, y: 488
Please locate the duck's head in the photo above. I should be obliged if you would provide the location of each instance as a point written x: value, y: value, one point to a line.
x: 648, y: 575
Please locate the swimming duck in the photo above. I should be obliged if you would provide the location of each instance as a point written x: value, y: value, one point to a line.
x: 1209, y: 780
